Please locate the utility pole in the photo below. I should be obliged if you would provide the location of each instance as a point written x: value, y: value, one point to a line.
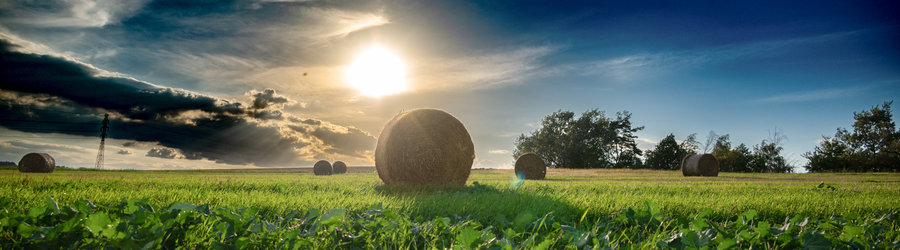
x: 103, y: 131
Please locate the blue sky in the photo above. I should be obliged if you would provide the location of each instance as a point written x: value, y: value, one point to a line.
x: 744, y: 68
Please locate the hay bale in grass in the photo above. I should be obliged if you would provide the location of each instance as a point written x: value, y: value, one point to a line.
x: 531, y: 167
x: 339, y: 167
x: 37, y: 163
x: 424, y: 147
x: 322, y: 168
x: 700, y: 165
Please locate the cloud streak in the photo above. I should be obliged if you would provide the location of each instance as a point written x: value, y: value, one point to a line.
x: 74, y: 13
x: 629, y: 66
x: 499, y: 152
x: 497, y: 69
x: 813, y: 95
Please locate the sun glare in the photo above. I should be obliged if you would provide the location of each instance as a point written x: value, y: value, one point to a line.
x: 377, y: 72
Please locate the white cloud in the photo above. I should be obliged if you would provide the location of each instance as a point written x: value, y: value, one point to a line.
x: 487, y: 163
x: 499, y: 152
x: 645, y: 144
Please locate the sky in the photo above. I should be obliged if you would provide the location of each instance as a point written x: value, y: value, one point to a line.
x: 269, y: 83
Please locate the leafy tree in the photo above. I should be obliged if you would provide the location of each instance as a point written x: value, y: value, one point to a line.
x: 723, y: 153
x: 669, y: 153
x: 630, y: 159
x: 548, y: 141
x: 589, y: 141
x: 690, y: 145
x: 873, y: 145
x: 741, y: 157
x: 767, y: 158
x: 832, y: 155
x: 626, y: 151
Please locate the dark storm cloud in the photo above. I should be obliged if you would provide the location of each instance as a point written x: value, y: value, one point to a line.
x: 41, y: 94
x: 80, y: 83
x: 311, y: 122
x: 165, y: 153
x: 343, y: 142
x: 267, y: 97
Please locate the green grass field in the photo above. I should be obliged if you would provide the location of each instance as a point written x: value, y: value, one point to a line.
x: 492, y: 198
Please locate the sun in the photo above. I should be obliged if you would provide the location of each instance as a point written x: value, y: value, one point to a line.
x: 377, y: 72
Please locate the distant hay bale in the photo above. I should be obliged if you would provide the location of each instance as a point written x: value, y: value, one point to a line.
x: 37, y: 163
x: 322, y: 168
x: 424, y: 147
x: 339, y: 167
x: 700, y: 165
x: 531, y: 167
x: 683, y: 161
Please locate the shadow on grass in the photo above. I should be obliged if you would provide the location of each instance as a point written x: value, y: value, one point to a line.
x: 495, y: 202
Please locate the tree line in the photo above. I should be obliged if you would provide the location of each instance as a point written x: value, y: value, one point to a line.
x: 593, y: 140
x: 872, y: 145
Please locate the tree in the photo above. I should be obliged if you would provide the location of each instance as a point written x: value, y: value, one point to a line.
x: 669, y: 153
x: 723, y: 153
x: 767, y: 158
x: 549, y: 141
x: 711, y: 139
x: 832, y: 155
x: 873, y: 145
x: 742, y: 157
x: 626, y: 151
x: 589, y: 141
x: 690, y: 145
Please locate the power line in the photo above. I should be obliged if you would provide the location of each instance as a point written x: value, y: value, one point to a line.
x: 103, y: 130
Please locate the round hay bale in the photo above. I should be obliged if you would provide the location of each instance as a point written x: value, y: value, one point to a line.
x: 322, y: 168
x: 683, y: 161
x: 339, y: 167
x: 424, y: 147
x: 531, y: 167
x: 37, y: 163
x: 700, y: 165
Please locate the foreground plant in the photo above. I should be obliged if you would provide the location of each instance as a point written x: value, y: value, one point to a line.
x: 135, y: 224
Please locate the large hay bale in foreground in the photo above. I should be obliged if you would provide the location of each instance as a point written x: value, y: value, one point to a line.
x: 322, y: 168
x: 37, y: 163
x: 424, y: 147
x: 339, y: 167
x: 700, y: 165
x: 531, y: 167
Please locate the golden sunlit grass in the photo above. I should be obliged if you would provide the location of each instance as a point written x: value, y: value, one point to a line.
x: 377, y: 72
